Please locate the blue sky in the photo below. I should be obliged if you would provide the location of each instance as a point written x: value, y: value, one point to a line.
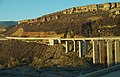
x: 27, y: 9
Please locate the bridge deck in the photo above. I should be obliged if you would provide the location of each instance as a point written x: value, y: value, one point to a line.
x: 90, y: 38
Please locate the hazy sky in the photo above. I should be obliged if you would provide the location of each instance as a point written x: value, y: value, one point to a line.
x: 26, y: 9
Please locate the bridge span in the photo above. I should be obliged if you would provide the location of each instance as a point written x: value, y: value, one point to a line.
x: 106, y: 50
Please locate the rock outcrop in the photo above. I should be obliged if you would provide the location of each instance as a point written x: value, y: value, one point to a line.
x: 40, y: 19
x: 94, y: 7
x: 80, y: 9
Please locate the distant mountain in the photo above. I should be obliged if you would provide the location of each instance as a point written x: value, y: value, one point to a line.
x: 8, y: 23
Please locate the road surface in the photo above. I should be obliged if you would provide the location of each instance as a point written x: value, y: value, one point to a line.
x: 112, y: 74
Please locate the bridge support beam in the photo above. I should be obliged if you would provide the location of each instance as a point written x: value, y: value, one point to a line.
x: 117, y: 51
x: 109, y: 53
x: 95, y: 52
x: 67, y: 46
x: 80, y: 48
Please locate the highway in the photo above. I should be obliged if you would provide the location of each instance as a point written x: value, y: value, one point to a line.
x: 112, y: 74
x: 113, y: 71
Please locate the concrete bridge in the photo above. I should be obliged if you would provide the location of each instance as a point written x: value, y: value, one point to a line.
x: 106, y: 50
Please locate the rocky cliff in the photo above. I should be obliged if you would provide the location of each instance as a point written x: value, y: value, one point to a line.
x: 113, y: 8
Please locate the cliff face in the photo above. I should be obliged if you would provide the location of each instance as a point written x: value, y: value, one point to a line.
x: 94, y: 7
x: 113, y: 8
x: 91, y: 20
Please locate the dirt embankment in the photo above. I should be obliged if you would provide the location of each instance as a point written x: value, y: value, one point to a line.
x: 13, y: 52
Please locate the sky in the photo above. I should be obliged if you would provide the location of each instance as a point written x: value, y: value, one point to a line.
x: 15, y: 10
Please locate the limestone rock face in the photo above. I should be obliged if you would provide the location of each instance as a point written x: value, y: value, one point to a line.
x: 44, y: 19
x: 113, y: 5
x: 107, y: 6
x: 117, y: 12
x: 118, y: 4
x: 93, y: 7
x: 79, y: 9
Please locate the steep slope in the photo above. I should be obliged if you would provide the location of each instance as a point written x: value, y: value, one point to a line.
x: 14, y: 53
x: 91, y: 20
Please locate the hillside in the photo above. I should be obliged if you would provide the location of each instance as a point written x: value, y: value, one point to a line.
x: 89, y: 21
x: 14, y: 53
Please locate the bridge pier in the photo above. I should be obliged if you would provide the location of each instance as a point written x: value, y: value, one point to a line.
x: 85, y: 47
x: 117, y: 51
x: 67, y: 46
x: 95, y: 52
x: 101, y: 46
x: 109, y: 53
x: 75, y: 45
x: 80, y: 48
x: 59, y: 41
x: 51, y: 41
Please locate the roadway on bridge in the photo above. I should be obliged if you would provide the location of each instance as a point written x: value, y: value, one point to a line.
x: 113, y: 71
x: 112, y: 74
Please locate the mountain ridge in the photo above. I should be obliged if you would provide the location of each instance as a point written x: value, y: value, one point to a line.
x: 91, y: 20
x: 79, y: 9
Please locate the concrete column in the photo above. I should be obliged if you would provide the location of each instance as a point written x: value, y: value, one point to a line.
x: 101, y: 46
x: 75, y: 45
x: 95, y: 52
x: 59, y: 41
x: 67, y: 46
x: 80, y: 48
x: 117, y: 51
x: 51, y: 41
x: 85, y: 47
x: 109, y: 53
